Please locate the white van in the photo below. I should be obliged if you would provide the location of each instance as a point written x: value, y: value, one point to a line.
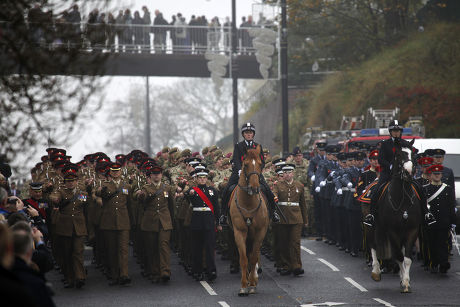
x: 451, y: 159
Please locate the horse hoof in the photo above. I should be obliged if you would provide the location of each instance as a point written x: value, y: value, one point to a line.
x: 405, y: 289
x: 259, y: 270
x: 376, y: 277
x: 252, y: 290
x: 243, y: 292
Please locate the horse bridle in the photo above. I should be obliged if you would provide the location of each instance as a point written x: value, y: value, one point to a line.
x: 248, y: 189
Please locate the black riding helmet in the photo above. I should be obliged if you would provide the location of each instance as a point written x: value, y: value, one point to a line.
x: 395, y: 125
x: 248, y: 127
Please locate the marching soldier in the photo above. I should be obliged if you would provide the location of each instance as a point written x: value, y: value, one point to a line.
x: 115, y: 223
x: 205, y: 203
x: 312, y: 168
x: 156, y: 224
x: 291, y: 199
x: 301, y: 175
x: 442, y: 206
x: 71, y: 229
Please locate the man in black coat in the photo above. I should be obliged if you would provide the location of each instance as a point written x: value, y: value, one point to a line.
x: 239, y: 151
x: 205, y: 203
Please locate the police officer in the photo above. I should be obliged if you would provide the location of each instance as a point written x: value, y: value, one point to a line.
x: 441, y: 204
x: 205, y: 202
x: 248, y: 131
x: 385, y: 158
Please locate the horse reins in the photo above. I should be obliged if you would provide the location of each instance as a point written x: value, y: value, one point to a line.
x: 247, y: 189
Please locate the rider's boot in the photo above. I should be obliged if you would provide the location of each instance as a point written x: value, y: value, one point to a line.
x: 370, y: 218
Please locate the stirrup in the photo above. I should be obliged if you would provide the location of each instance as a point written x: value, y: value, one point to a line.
x: 223, y: 220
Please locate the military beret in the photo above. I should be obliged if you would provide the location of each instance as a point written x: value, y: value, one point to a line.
x: 44, y: 158
x: 205, y: 150
x: 212, y: 148
x: 173, y: 150
x: 226, y: 161
x: 158, y: 154
x: 186, y: 153
x: 165, y: 149
x: 296, y: 150
x: 196, y: 153
x: 266, y: 151
x: 229, y: 155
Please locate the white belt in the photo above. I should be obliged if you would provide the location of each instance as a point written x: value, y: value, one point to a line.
x: 347, y: 189
x: 201, y: 209
x: 288, y: 203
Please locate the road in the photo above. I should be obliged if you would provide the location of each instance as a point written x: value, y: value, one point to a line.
x: 332, y: 278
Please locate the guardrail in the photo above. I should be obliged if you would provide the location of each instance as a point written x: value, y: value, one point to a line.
x: 134, y: 38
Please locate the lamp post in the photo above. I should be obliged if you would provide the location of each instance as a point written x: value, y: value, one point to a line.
x: 234, y: 75
x: 284, y: 77
x: 147, y: 118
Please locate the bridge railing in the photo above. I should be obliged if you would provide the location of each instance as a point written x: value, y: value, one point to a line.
x: 134, y: 38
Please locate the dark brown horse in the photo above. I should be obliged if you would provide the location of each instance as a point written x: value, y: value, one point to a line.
x: 249, y: 217
x: 398, y: 220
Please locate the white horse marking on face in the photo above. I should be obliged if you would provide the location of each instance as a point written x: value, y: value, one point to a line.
x: 253, y: 162
x: 408, y: 164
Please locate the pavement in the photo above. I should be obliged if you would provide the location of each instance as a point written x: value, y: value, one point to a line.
x: 332, y: 278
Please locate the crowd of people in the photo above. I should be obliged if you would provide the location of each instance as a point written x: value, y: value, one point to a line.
x: 177, y: 201
x: 134, y: 32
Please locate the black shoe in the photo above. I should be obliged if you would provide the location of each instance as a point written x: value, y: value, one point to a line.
x: 69, y: 285
x: 298, y: 272
x: 125, y: 280
x: 341, y: 248
x: 212, y: 276
x: 79, y: 283
x: 165, y: 278
x: 434, y: 269
x: 369, y: 220
x: 275, y: 218
x: 198, y: 276
x: 444, y: 267
x: 113, y: 282
x: 353, y: 254
x: 319, y: 239
x: 285, y: 272
x: 347, y: 251
x: 326, y: 241
x: 331, y: 242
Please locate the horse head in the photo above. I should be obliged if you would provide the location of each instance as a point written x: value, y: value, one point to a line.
x: 251, y: 169
x: 404, y: 161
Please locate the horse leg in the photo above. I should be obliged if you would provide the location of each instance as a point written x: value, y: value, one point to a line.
x: 253, y: 264
x: 407, y: 262
x: 376, y: 273
x: 240, y: 240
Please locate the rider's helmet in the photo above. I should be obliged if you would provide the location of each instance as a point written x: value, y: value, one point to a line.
x: 248, y: 127
x: 395, y: 125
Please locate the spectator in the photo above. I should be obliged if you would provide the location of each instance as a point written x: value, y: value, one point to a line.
x: 227, y: 32
x: 11, y: 205
x: 172, y: 33
x: 12, y: 290
x: 13, y: 190
x: 5, y: 168
x: 74, y: 18
x: 159, y: 30
x: 91, y: 27
x: 24, y: 269
x: 111, y: 31
x: 146, y: 20
x: 127, y: 36
x: 214, y: 34
x: 138, y: 31
x: 41, y: 255
x: 181, y: 32
x: 194, y: 31
x: 35, y: 18
x: 203, y: 32
x: 119, y: 21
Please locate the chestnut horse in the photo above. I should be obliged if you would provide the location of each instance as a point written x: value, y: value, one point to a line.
x: 249, y: 218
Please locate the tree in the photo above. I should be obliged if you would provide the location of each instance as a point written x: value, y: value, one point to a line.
x: 187, y: 113
x: 33, y: 103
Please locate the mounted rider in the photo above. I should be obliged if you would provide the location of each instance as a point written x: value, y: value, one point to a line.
x: 385, y: 158
x: 248, y: 132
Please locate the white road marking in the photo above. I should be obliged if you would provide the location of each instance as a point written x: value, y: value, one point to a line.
x: 307, y: 250
x: 333, y: 267
x: 208, y: 287
x: 354, y: 283
x: 382, y: 302
x: 322, y: 304
x: 223, y: 304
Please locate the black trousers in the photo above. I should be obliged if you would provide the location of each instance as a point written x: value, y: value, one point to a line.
x: 438, y: 245
x: 203, y: 240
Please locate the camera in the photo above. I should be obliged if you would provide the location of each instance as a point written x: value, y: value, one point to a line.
x: 11, y: 201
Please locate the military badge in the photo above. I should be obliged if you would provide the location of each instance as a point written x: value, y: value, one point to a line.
x: 82, y: 197
x: 42, y: 205
x: 124, y: 191
x: 211, y: 193
x: 166, y: 194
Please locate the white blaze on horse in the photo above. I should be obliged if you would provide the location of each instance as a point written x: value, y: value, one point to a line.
x: 398, y: 218
x: 249, y: 219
